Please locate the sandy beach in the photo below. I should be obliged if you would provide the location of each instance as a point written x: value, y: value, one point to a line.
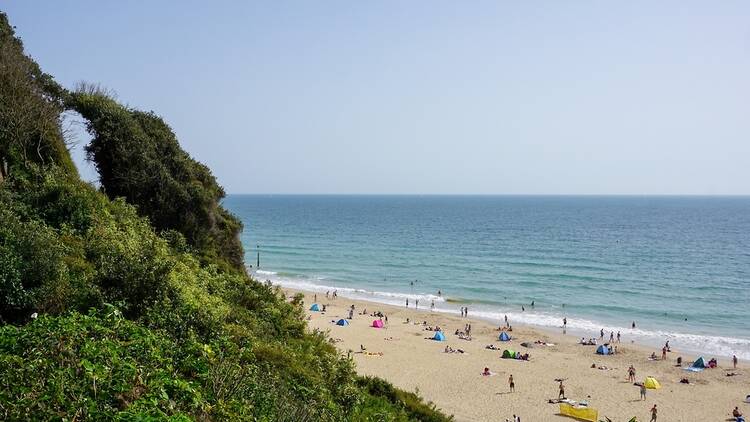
x: 454, y: 381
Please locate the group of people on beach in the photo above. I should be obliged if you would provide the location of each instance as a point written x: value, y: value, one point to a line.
x: 614, y: 337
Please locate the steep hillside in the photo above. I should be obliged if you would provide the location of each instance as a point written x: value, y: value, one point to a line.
x: 132, y: 303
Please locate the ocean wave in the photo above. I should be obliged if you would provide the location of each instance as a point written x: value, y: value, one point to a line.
x: 684, y: 342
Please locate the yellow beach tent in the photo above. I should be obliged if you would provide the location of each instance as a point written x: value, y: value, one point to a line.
x: 651, y: 383
x: 582, y: 413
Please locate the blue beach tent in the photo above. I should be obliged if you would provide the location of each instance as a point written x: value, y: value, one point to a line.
x: 699, y: 363
x: 504, y: 336
x: 439, y: 336
x: 602, y: 350
x: 315, y: 307
x: 342, y: 322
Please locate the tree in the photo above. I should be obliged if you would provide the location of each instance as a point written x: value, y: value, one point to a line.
x: 139, y: 158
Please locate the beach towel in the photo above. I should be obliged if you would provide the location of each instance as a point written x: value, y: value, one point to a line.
x: 581, y: 413
x: 693, y: 369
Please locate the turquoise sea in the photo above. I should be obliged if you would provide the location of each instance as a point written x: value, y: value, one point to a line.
x: 677, y: 266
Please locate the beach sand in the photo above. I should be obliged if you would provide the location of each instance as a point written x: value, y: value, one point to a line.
x: 453, y: 381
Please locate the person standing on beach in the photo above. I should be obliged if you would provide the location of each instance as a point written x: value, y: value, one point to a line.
x: 618, y: 336
x: 466, y: 311
x: 416, y: 303
x: 407, y: 302
x: 432, y: 306
x: 734, y: 361
x: 565, y: 322
x: 315, y: 297
x: 511, y: 383
x: 643, y: 391
x: 664, y: 353
x: 561, y: 394
x: 653, y: 414
x: 601, y: 334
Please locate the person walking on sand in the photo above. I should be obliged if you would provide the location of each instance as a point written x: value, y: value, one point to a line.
x: 416, y: 303
x: 618, y: 336
x: 407, y: 302
x: 631, y: 373
x: 565, y: 322
x: 561, y: 394
x: 466, y: 311
x: 511, y: 383
x: 653, y: 414
x: 601, y: 334
x: 432, y: 306
x: 734, y: 361
x: 664, y: 353
x: 643, y: 391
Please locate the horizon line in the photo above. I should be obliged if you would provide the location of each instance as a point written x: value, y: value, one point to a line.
x: 716, y: 195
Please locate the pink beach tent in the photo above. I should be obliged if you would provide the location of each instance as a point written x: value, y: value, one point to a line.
x: 377, y: 323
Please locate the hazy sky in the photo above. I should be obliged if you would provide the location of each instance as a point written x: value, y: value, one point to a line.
x: 425, y: 96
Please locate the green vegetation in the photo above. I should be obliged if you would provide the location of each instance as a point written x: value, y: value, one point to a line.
x: 145, y: 311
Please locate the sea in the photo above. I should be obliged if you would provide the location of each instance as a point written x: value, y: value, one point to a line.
x: 679, y: 267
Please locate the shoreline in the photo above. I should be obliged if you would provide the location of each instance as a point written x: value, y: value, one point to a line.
x: 652, y: 339
x: 453, y: 381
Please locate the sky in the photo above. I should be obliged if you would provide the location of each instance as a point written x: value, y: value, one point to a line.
x: 424, y: 97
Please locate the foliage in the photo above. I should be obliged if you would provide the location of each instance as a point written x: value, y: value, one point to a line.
x: 138, y: 158
x: 29, y: 120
